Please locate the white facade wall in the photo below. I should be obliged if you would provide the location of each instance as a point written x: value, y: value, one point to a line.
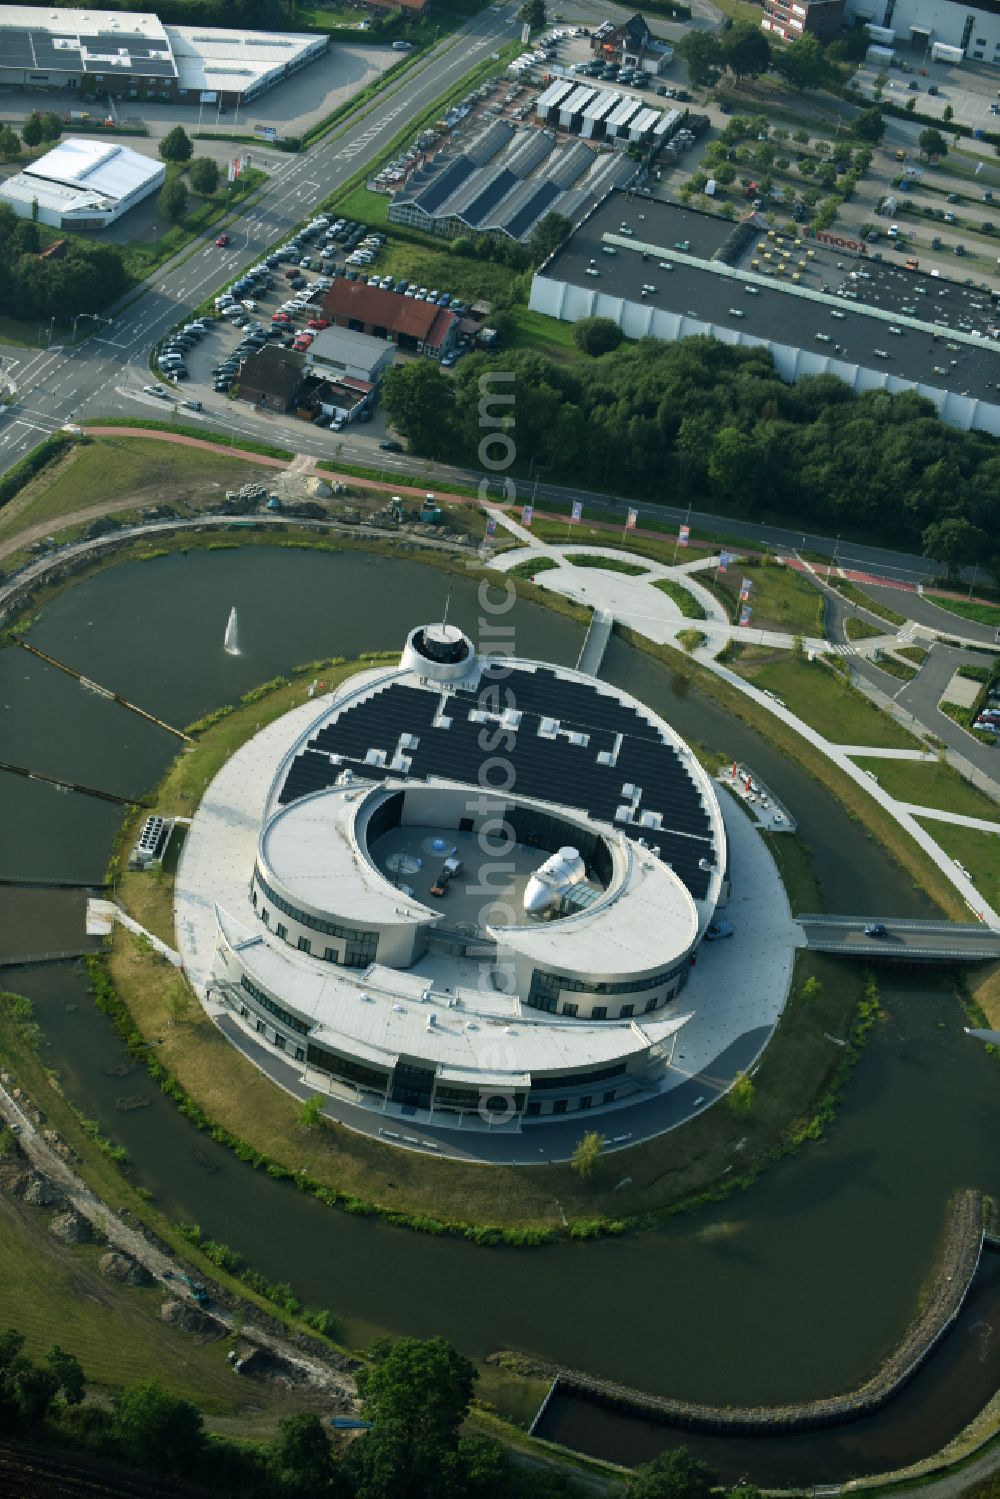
x: 570, y: 303
x: 934, y: 21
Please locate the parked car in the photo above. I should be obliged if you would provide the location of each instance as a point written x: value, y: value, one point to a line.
x: 716, y: 930
x: 193, y: 405
x: 389, y: 446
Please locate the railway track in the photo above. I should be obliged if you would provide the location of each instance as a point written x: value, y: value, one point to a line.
x: 32, y: 1473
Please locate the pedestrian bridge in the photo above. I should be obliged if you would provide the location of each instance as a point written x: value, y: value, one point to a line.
x: 904, y: 941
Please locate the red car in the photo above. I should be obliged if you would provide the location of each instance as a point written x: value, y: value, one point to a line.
x: 301, y: 343
x: 282, y: 317
x: 222, y: 241
x: 319, y: 322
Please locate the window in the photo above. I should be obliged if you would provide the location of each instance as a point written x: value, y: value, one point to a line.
x: 559, y: 1107
x: 650, y: 1004
x: 329, y: 955
x: 546, y: 987
x: 282, y: 931
x: 586, y: 1101
x: 599, y: 1012
x: 360, y: 947
x: 253, y: 896
x: 265, y: 915
x: 260, y: 1027
x: 305, y: 945
x: 267, y: 1003
x: 626, y: 1011
x: 609, y: 1097
x: 279, y: 1041
x: 570, y: 1009
x: 243, y: 1010
x: 533, y: 1110
x: 300, y: 1055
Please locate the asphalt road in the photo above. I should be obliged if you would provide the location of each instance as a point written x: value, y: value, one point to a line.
x: 62, y: 384
x: 903, y: 939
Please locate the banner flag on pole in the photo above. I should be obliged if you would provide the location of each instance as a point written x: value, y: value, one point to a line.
x: 577, y: 512
x: 633, y: 516
x: 745, y: 590
x: 745, y: 613
x: 682, y: 536
x: 526, y: 515
x: 491, y: 526
x: 231, y: 172
x: 724, y: 561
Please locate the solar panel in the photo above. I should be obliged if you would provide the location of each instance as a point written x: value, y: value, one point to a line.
x: 544, y: 767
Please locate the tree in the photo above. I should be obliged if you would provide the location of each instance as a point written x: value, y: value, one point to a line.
x: 870, y: 125
x: 157, y: 1431
x: 548, y: 236
x: 587, y: 1153
x: 32, y: 131
x: 68, y: 1371
x: 812, y: 989
x: 51, y: 126
x: 26, y: 239
x: 911, y: 106
x: 176, y: 145
x: 745, y: 50
x: 173, y: 200
x: 954, y: 541
x: 597, y: 335
x: 803, y: 65
x: 301, y: 1457
x: 852, y: 45
x: 203, y: 174
x: 311, y: 1112
x: 732, y: 465
x: 932, y: 143
x: 417, y: 1394
x: 702, y: 52
x: 673, y: 1475
x: 741, y: 1095
x: 419, y: 400
x: 533, y: 11
x: 948, y: 114
x: 725, y: 174
x: 10, y: 145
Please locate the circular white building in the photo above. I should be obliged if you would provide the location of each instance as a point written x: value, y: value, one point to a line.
x: 465, y: 891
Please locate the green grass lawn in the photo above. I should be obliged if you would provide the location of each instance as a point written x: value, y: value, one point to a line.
x: 979, y: 852
x: 858, y: 596
x: 929, y: 783
x: 547, y: 335
x: 531, y: 566
x: 122, y: 468
x: 55, y: 1294
x: 685, y: 601
x: 827, y: 703
x: 609, y: 564
x: 860, y: 629
x: 780, y: 597
x: 983, y: 614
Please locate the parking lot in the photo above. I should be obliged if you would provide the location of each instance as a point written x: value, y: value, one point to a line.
x: 969, y: 89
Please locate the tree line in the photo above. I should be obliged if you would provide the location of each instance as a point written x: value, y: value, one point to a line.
x: 416, y: 1395
x: 85, y: 278
x: 698, y: 420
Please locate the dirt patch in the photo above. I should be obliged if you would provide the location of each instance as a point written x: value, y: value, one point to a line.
x: 71, y: 1228
x: 123, y: 1268
x: 189, y: 1319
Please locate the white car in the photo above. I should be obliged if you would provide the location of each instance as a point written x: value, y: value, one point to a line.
x: 893, y: 231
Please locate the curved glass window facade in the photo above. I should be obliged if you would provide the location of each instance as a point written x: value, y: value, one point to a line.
x: 267, y: 1003
x: 546, y: 987
x: 361, y: 946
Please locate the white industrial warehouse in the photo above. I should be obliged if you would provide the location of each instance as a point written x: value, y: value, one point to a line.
x: 351, y: 898
x: 82, y: 184
x: 821, y: 304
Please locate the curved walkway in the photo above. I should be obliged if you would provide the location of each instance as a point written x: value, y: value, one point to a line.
x: 636, y: 604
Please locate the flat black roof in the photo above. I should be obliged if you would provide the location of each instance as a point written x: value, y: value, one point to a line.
x: 835, y: 324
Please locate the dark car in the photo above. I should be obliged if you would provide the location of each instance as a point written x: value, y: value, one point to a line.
x: 876, y: 929
x: 391, y: 447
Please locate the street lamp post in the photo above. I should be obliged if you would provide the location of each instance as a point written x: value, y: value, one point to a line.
x: 94, y: 316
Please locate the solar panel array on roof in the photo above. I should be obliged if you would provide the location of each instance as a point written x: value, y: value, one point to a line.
x: 118, y: 51
x: 490, y: 195
x: 648, y: 777
x: 573, y: 160
x: 447, y: 181
x: 539, y: 200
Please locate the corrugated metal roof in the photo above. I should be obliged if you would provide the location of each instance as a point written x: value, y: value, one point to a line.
x: 96, y: 166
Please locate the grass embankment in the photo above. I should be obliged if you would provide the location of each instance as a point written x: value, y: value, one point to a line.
x: 781, y: 598
x: 607, y: 564
x: 977, y: 851
x: 682, y: 597
x: 929, y: 783
x: 529, y: 568
x: 126, y: 469
x: 825, y: 701
x: 881, y: 827
x: 860, y: 629
x: 56, y: 1294
x: 901, y: 670
x: 136, y: 1342
x: 981, y: 613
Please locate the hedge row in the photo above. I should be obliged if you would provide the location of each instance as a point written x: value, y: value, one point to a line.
x: 47, y: 451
